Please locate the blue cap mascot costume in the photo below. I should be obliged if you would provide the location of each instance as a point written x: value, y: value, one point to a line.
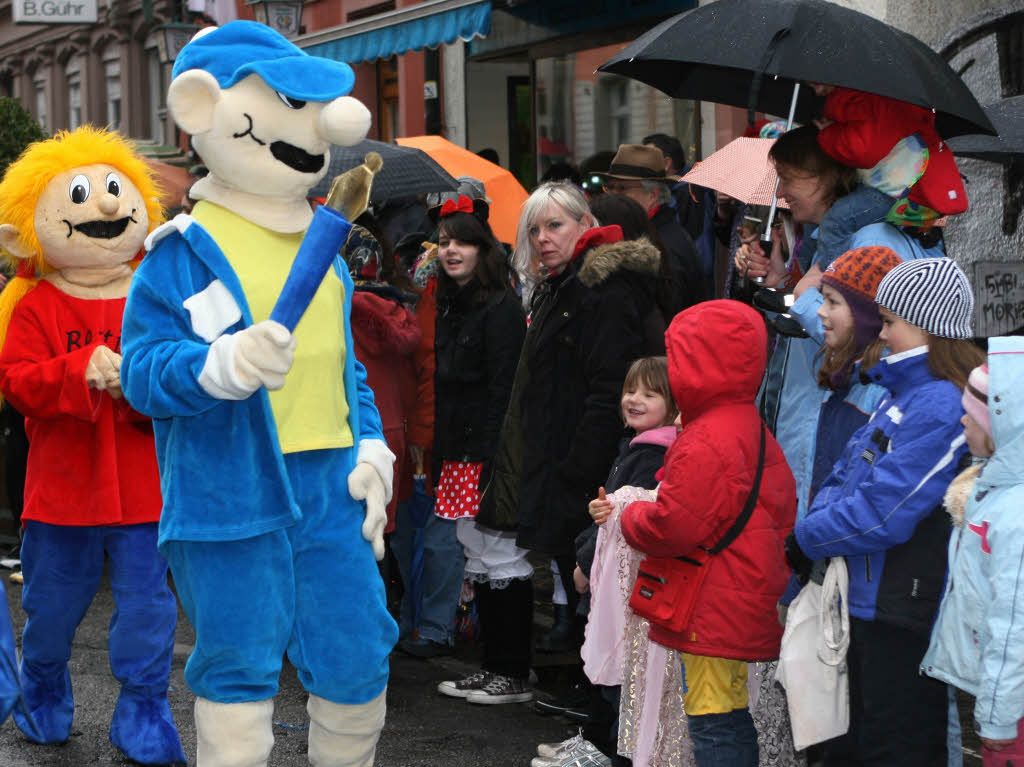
x: 274, y: 471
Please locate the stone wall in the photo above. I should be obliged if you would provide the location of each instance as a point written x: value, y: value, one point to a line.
x: 983, y: 40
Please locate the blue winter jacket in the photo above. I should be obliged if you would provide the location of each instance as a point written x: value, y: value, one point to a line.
x: 793, y: 367
x: 881, y: 507
x: 222, y: 473
x: 978, y: 640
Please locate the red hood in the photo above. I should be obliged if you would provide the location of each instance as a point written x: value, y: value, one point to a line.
x: 716, y: 355
x: 383, y: 326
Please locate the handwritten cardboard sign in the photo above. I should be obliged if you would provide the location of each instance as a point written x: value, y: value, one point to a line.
x: 999, y: 297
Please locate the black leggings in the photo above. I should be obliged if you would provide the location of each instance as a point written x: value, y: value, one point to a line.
x: 506, y: 617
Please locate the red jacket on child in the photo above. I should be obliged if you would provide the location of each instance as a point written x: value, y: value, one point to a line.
x: 866, y: 127
x: 386, y: 336
x: 716, y: 358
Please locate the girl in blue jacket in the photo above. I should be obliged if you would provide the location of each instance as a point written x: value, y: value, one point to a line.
x: 881, y: 508
x: 978, y: 640
x: 851, y: 324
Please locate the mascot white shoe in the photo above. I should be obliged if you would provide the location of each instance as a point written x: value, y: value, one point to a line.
x: 273, y: 465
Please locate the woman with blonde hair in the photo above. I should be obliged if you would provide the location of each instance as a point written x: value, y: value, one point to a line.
x: 592, y: 291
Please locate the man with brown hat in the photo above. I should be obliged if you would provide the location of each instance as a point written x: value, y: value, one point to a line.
x: 638, y: 172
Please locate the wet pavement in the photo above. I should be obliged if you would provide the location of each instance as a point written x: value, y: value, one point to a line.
x: 423, y: 729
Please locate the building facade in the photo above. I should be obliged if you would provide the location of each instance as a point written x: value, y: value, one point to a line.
x: 110, y: 72
x: 516, y: 76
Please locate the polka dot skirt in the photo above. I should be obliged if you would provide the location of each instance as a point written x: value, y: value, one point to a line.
x: 458, y: 490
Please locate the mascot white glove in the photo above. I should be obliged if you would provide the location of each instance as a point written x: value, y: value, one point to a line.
x: 240, y: 363
x: 366, y: 484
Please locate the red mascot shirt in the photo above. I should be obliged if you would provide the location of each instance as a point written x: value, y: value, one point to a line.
x: 91, y: 459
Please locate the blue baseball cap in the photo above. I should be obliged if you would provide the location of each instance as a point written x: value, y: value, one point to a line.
x: 242, y: 48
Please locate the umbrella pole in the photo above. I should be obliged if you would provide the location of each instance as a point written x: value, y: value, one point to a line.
x: 766, y: 235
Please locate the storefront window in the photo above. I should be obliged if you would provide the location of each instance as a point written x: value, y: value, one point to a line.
x: 39, y: 83
x: 73, y: 71
x: 112, y: 76
x: 156, y: 108
x: 581, y: 112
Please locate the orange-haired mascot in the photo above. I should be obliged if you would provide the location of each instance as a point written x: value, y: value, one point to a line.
x: 75, y: 210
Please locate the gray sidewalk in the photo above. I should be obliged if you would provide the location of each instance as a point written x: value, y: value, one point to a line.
x: 423, y: 728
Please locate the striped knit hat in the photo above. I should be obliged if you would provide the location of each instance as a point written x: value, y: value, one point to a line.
x: 930, y: 293
x: 855, y: 275
x: 975, y: 399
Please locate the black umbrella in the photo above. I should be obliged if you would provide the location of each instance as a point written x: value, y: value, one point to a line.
x: 407, y: 171
x: 751, y: 53
x: 1008, y: 118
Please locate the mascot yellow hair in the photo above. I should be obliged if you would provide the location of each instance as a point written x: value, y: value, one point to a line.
x: 29, y: 175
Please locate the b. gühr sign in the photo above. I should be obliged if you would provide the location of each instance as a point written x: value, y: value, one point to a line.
x: 54, y: 11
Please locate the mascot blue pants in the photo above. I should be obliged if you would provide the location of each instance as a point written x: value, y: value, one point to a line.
x: 312, y: 590
x: 63, y: 567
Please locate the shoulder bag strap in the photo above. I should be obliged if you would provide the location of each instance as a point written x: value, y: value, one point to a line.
x: 741, y: 521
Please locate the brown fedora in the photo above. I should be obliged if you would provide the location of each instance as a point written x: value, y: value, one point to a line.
x: 637, y: 162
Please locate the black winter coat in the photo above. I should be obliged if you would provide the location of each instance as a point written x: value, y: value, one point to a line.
x: 564, y: 421
x: 691, y: 206
x: 477, y: 341
x: 636, y: 466
x: 683, y: 259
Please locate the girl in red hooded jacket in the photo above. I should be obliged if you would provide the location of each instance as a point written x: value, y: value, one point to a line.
x: 716, y: 358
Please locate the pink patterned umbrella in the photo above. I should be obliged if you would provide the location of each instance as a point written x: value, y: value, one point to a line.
x: 740, y: 169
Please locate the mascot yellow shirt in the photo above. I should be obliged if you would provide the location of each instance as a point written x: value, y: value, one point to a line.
x: 310, y: 411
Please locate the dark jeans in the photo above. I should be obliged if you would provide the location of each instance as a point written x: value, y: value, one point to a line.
x: 724, y: 740
x: 506, y: 617
x: 897, y: 716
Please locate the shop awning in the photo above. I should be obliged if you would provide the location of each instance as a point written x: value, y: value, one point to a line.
x: 425, y: 25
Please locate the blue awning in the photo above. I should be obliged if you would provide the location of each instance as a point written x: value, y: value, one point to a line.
x: 425, y: 25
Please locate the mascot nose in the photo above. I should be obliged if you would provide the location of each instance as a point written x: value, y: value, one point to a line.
x: 108, y: 204
x: 344, y: 121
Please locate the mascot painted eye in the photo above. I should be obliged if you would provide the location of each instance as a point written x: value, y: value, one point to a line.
x: 79, y: 189
x: 293, y: 103
x: 114, y: 184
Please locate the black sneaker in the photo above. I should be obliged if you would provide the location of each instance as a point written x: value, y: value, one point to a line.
x: 424, y: 648
x: 501, y: 689
x: 575, y: 705
x: 461, y: 688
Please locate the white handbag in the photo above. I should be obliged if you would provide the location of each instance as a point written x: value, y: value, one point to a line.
x: 812, y: 661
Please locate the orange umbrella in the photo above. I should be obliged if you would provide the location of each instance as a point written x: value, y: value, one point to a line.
x: 174, y: 181
x: 506, y: 193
